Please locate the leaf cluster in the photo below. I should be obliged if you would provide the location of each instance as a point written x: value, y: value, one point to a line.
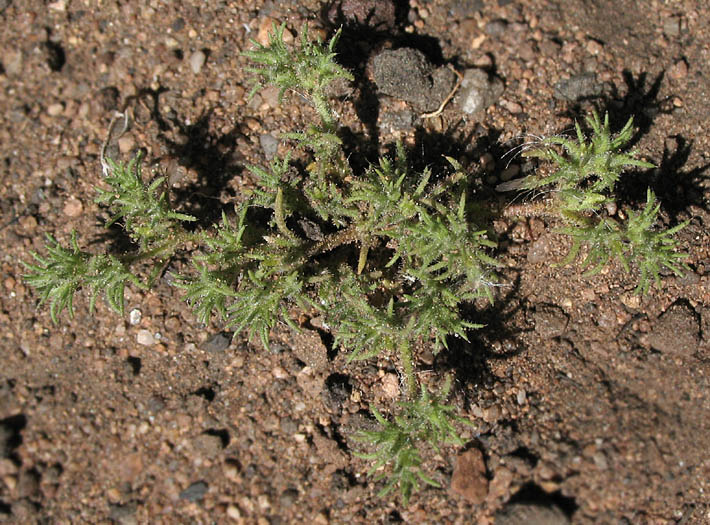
x: 424, y: 420
x: 59, y: 275
x: 143, y: 211
x: 583, y: 186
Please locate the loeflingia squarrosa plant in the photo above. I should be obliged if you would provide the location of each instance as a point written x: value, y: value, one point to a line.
x: 385, y: 257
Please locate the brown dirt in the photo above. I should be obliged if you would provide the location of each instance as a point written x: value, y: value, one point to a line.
x: 583, y: 394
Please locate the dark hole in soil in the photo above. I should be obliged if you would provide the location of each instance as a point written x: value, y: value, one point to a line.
x: 135, y: 364
x: 10, y: 437
x: 531, y: 493
x: 56, y: 58
x: 207, y: 392
x: 526, y: 455
x: 221, y: 433
x: 337, y: 391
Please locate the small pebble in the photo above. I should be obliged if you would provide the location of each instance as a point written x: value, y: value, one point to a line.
x: 54, y: 110
x: 194, y: 492
x: 390, y: 385
x: 478, y: 91
x: 580, y: 86
x: 233, y: 512
x: 145, y: 338
x: 671, y: 27
x: 126, y: 144
x: 73, y: 207
x: 219, y: 342
x: 678, y: 70
x: 279, y: 373
x: 594, y: 47
x: 135, y: 316
x: 512, y: 107
x: 469, y: 478
x: 197, y: 60
x: 521, y: 397
x: 269, y: 144
x: 12, y: 60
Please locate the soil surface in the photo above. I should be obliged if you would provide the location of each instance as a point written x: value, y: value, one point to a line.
x: 587, y: 400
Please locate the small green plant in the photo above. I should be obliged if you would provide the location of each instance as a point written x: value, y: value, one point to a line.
x: 385, y: 257
x: 582, y: 188
x: 423, y: 420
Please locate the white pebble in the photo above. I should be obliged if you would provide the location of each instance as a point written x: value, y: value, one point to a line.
x: 135, y: 316
x: 145, y: 338
x: 522, y: 396
x: 197, y: 60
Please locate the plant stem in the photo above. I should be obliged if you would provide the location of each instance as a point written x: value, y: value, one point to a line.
x: 405, y: 354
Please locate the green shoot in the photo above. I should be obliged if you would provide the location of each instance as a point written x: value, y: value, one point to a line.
x: 424, y: 420
x: 583, y: 186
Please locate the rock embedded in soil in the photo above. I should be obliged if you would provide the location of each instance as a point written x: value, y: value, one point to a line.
x: 197, y: 60
x: 469, y: 479
x: 676, y: 331
x: 375, y: 14
x: 478, y: 91
x: 550, y: 321
x: 578, y: 87
x: 73, y: 207
x: 145, y: 338
x: 194, y: 492
x: 208, y: 445
x: 407, y: 74
x: 218, y: 342
x: 123, y: 514
x: 531, y: 514
x: 269, y: 144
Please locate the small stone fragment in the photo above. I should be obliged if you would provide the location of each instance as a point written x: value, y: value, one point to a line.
x: 594, y: 47
x: 218, y: 342
x: 145, y: 337
x: 269, y: 144
x: 135, y: 316
x: 126, y: 144
x: 12, y: 61
x: 469, y: 478
x: 73, y: 207
x: 279, y: 372
x: 402, y: 73
x: 671, y: 26
x: 676, y: 331
x: 531, y: 514
x: 123, y: 514
x: 478, y: 91
x: 521, y: 397
x: 194, y: 492
x: 496, y: 28
x: 550, y: 321
x: 375, y: 14
x: 390, y: 386
x: 234, y: 513
x: 54, y: 110
x: 578, y: 87
x: 197, y: 60
x: 678, y: 70
x: 208, y: 445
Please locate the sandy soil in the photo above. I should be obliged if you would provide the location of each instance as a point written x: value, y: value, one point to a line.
x: 585, y: 397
